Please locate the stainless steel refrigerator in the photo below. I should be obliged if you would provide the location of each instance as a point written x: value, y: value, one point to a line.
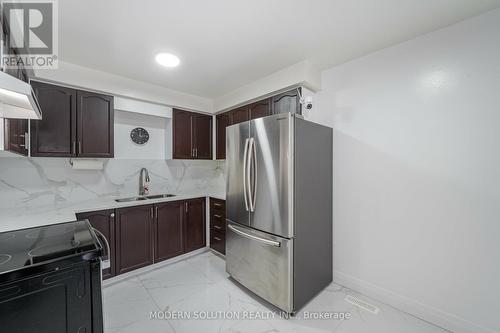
x: 279, y: 208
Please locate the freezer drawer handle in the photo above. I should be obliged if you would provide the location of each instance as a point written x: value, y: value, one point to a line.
x: 255, y: 238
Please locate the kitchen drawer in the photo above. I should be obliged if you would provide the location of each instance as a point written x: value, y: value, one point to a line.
x: 218, y: 222
x: 217, y: 204
x: 218, y: 241
x: 261, y: 262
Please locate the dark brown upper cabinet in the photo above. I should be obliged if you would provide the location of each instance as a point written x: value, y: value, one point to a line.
x: 194, y: 225
x: 168, y: 231
x: 240, y: 115
x: 75, y: 123
x: 192, y: 135
x: 203, y: 136
x: 95, y: 120
x: 223, y: 120
x: 55, y: 134
x: 182, y: 135
x: 134, y: 238
x: 260, y: 109
x: 16, y: 136
x: 104, y: 221
x: 287, y: 102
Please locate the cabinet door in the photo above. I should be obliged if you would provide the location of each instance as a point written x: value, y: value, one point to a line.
x: 95, y: 114
x: 55, y: 134
x: 104, y: 221
x: 194, y: 224
x: 288, y: 102
x: 169, y: 233
x: 15, y: 136
x: 202, y: 136
x: 260, y: 109
x: 240, y: 115
x: 182, y: 135
x: 222, y: 121
x: 134, y: 235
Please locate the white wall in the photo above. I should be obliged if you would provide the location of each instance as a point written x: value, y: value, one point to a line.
x: 300, y: 74
x: 116, y: 85
x: 159, y: 144
x: 1, y: 133
x: 417, y: 173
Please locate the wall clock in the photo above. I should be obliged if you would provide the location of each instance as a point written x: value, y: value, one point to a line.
x: 139, y: 135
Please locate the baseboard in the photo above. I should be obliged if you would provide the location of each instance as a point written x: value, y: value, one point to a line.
x: 142, y: 270
x: 425, y: 312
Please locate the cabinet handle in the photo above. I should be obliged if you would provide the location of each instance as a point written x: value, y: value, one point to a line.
x: 217, y: 227
x: 192, y: 152
x: 73, y: 150
x: 186, y: 205
x: 156, y: 212
x: 152, y: 214
x: 112, y: 215
x: 218, y: 216
x: 79, y: 147
x: 217, y: 238
x: 196, y: 152
x: 217, y: 204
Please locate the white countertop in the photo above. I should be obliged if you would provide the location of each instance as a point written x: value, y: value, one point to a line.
x: 16, y: 218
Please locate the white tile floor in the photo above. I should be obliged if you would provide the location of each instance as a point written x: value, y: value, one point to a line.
x: 199, y: 286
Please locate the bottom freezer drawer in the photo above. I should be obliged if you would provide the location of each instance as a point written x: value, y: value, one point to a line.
x: 262, y: 263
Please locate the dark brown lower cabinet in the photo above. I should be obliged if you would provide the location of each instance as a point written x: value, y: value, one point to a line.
x: 142, y: 235
x: 218, y: 225
x: 104, y: 221
x: 194, y: 224
x: 134, y: 238
x: 218, y: 241
x: 169, y: 233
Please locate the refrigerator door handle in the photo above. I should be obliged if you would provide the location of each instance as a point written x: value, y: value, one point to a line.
x: 253, y: 165
x: 245, y: 173
x: 255, y: 238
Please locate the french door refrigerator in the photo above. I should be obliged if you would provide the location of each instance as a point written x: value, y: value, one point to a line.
x: 279, y: 208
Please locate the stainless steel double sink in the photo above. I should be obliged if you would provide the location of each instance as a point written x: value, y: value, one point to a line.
x: 145, y: 197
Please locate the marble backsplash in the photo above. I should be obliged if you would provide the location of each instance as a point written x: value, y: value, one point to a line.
x: 32, y: 182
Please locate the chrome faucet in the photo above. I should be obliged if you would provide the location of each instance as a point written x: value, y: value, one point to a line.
x: 143, y: 181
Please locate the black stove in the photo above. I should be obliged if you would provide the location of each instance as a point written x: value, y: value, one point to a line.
x: 24, y: 248
x: 50, y: 279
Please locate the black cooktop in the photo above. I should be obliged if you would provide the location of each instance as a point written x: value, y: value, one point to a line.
x: 35, y: 246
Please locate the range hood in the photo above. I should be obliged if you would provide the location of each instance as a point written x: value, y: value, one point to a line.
x: 17, y: 99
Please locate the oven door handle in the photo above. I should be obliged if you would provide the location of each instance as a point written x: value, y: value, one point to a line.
x: 252, y: 237
x: 105, y: 264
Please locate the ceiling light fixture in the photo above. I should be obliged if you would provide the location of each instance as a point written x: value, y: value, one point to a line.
x: 167, y: 60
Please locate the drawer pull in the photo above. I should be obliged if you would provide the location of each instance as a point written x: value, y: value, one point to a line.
x: 217, y: 216
x: 217, y: 227
x: 217, y: 204
x: 217, y: 239
x: 255, y: 238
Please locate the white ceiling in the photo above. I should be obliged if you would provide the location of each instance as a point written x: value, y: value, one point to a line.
x: 225, y: 44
